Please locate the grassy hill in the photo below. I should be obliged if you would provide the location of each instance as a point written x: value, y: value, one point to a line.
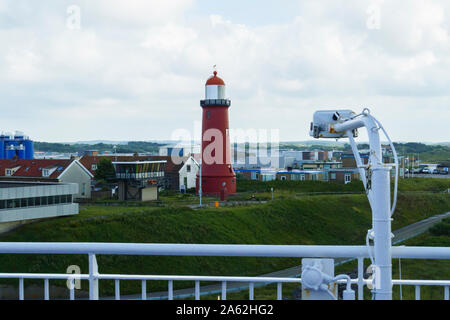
x: 410, y: 269
x: 330, y: 219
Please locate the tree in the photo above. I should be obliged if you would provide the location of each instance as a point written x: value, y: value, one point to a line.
x: 105, y: 170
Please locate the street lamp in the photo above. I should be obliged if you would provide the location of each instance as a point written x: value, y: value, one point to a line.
x: 375, y: 177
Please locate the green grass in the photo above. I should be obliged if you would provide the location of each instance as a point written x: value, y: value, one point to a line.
x: 330, y: 219
x: 416, y: 269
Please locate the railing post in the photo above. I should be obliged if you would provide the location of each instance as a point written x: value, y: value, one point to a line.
x: 46, y: 290
x: 72, y: 289
x: 446, y: 293
x: 279, y: 291
x: 21, y: 289
x: 117, y: 285
x: 93, y: 277
x: 251, y: 290
x: 197, y: 290
x: 417, y: 292
x: 360, y: 278
x: 224, y: 290
x: 144, y: 289
x: 170, y: 293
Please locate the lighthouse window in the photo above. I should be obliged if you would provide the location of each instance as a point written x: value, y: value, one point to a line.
x: 208, y: 115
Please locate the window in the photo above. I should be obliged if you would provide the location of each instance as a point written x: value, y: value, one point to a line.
x: 283, y: 178
x: 347, y: 178
x: 302, y: 177
x: 37, y: 201
x: 8, y: 172
x: 45, y: 172
x: 2, y: 204
x: 208, y: 115
x: 10, y: 203
x: 51, y: 200
x: 188, y: 168
x: 333, y: 176
x: 94, y: 167
x: 44, y: 201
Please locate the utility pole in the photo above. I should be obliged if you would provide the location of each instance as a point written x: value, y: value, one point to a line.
x: 200, y: 185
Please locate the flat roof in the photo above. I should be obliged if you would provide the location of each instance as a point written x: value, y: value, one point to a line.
x: 139, y: 162
x: 19, y: 184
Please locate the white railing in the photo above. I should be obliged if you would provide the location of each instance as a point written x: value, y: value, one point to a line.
x: 294, y: 251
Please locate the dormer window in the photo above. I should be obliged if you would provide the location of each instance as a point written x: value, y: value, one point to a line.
x: 11, y: 171
x: 94, y: 167
x: 45, y: 172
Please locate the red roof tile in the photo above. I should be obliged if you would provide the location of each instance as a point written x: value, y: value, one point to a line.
x: 33, y: 167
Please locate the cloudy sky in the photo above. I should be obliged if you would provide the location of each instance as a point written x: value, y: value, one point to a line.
x: 135, y: 69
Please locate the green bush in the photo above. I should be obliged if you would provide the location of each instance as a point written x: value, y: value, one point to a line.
x: 441, y: 229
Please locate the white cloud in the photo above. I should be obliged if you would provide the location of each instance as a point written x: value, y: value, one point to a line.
x: 136, y: 69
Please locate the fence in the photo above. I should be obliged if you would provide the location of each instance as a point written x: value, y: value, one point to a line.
x: 93, y: 249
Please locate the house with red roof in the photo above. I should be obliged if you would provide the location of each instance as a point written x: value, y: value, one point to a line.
x: 48, y: 170
x: 179, y: 172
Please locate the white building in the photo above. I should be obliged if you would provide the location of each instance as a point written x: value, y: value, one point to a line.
x: 188, y: 173
x: 26, y: 201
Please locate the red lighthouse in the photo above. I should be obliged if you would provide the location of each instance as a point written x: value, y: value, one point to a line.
x: 218, y: 177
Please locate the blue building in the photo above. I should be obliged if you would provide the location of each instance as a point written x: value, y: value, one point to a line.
x: 12, y: 145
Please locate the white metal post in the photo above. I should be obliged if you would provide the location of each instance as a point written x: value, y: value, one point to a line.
x: 46, y: 290
x: 93, y: 277
x: 360, y: 278
x: 144, y: 289
x: 200, y: 182
x: 381, y: 220
x: 379, y: 195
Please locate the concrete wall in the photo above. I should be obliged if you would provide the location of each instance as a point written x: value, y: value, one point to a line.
x: 76, y: 174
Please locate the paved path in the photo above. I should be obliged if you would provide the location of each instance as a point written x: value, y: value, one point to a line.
x: 400, y: 235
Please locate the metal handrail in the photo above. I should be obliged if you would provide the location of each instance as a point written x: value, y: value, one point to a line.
x: 229, y: 250
x: 317, y: 251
